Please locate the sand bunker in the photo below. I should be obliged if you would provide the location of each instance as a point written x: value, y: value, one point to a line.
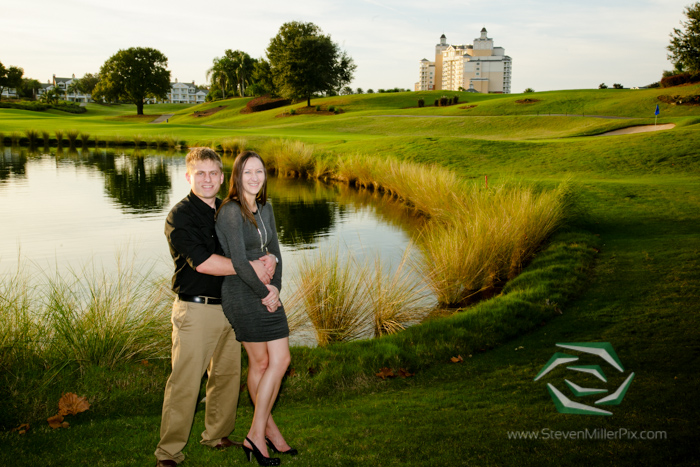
x: 639, y: 129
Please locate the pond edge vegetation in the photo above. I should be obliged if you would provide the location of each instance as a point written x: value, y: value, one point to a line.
x: 535, y: 295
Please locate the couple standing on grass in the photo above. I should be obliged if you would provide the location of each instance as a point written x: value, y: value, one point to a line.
x: 228, y: 274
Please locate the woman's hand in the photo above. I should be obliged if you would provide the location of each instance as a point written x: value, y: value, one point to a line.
x: 272, y: 301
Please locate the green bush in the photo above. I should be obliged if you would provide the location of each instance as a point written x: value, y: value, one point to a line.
x: 421, y: 103
x: 331, y: 108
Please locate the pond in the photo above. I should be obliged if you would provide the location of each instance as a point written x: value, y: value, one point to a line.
x: 63, y: 210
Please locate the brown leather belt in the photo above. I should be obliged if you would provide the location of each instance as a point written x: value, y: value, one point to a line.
x: 199, y: 299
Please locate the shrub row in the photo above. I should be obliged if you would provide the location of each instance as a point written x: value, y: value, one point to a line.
x: 41, y: 106
x: 677, y: 80
x: 266, y: 103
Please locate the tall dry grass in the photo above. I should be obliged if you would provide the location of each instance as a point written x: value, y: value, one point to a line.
x: 22, y: 336
x: 72, y: 136
x: 396, y: 300
x: 32, y: 136
x: 59, y: 137
x: 86, y: 317
x: 289, y: 158
x: 234, y: 146
x: 476, y: 238
x: 331, y: 290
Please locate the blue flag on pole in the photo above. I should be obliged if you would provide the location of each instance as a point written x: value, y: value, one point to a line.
x: 656, y: 112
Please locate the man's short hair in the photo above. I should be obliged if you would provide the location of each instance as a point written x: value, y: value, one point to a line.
x: 202, y: 154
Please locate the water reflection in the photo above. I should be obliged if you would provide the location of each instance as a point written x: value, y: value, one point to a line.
x: 12, y: 164
x: 77, y: 205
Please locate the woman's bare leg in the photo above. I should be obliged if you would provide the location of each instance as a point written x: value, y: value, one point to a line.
x: 268, y: 362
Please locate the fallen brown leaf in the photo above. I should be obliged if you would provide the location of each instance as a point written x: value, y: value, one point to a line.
x: 22, y: 429
x: 403, y: 372
x: 144, y: 362
x: 385, y: 373
x: 72, y: 404
x: 290, y: 372
x: 55, y: 421
x: 457, y: 359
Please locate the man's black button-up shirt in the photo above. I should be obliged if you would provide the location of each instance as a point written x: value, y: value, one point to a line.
x: 192, y: 239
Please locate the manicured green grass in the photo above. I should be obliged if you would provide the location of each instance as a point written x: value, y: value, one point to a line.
x: 642, y: 196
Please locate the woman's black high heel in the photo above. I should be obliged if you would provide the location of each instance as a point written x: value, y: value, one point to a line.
x: 291, y: 452
x: 262, y: 460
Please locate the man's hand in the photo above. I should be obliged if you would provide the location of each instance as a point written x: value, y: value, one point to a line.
x: 262, y: 271
x: 270, y: 263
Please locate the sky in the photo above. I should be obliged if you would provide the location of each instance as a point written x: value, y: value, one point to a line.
x: 553, y: 44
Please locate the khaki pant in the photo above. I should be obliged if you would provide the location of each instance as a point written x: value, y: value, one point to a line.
x: 202, y: 340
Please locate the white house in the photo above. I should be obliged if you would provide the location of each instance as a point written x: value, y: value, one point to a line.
x: 180, y: 93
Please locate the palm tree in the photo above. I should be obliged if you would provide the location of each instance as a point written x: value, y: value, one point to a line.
x: 73, y: 88
x: 242, y: 68
x: 220, y: 72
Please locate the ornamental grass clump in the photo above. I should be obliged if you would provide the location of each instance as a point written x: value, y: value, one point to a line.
x: 289, y: 158
x: 105, y: 318
x: 72, y: 136
x: 333, y: 297
x: 234, y: 146
x: 397, y: 300
x: 22, y: 337
x: 84, y: 139
x: 46, y: 138
x: 59, y: 137
x: 32, y: 137
x: 488, y: 237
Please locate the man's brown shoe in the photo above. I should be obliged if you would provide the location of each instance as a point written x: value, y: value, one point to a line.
x: 166, y: 463
x: 226, y: 443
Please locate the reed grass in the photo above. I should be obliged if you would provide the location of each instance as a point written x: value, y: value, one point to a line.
x: 234, y: 146
x: 15, y: 136
x: 85, y: 139
x: 59, y: 137
x: 105, y: 318
x: 397, y: 300
x: 72, y: 136
x: 22, y: 338
x: 477, y: 237
x: 334, y: 297
x: 116, y: 141
x: 46, y: 138
x: 32, y: 136
x: 138, y: 139
x: 289, y: 158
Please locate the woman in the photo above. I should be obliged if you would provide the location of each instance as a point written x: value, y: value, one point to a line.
x: 246, y: 229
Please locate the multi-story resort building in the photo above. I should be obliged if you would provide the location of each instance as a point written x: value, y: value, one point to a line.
x: 180, y: 93
x: 480, y: 67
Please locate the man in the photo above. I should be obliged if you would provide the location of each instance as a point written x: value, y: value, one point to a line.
x: 203, y: 339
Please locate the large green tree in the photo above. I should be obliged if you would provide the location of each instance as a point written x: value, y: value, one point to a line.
x: 685, y: 43
x: 88, y: 82
x: 29, y: 88
x: 262, y: 82
x: 133, y: 75
x: 304, y: 62
x: 10, y: 77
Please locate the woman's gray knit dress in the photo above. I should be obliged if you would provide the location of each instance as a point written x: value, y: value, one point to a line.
x: 242, y: 293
